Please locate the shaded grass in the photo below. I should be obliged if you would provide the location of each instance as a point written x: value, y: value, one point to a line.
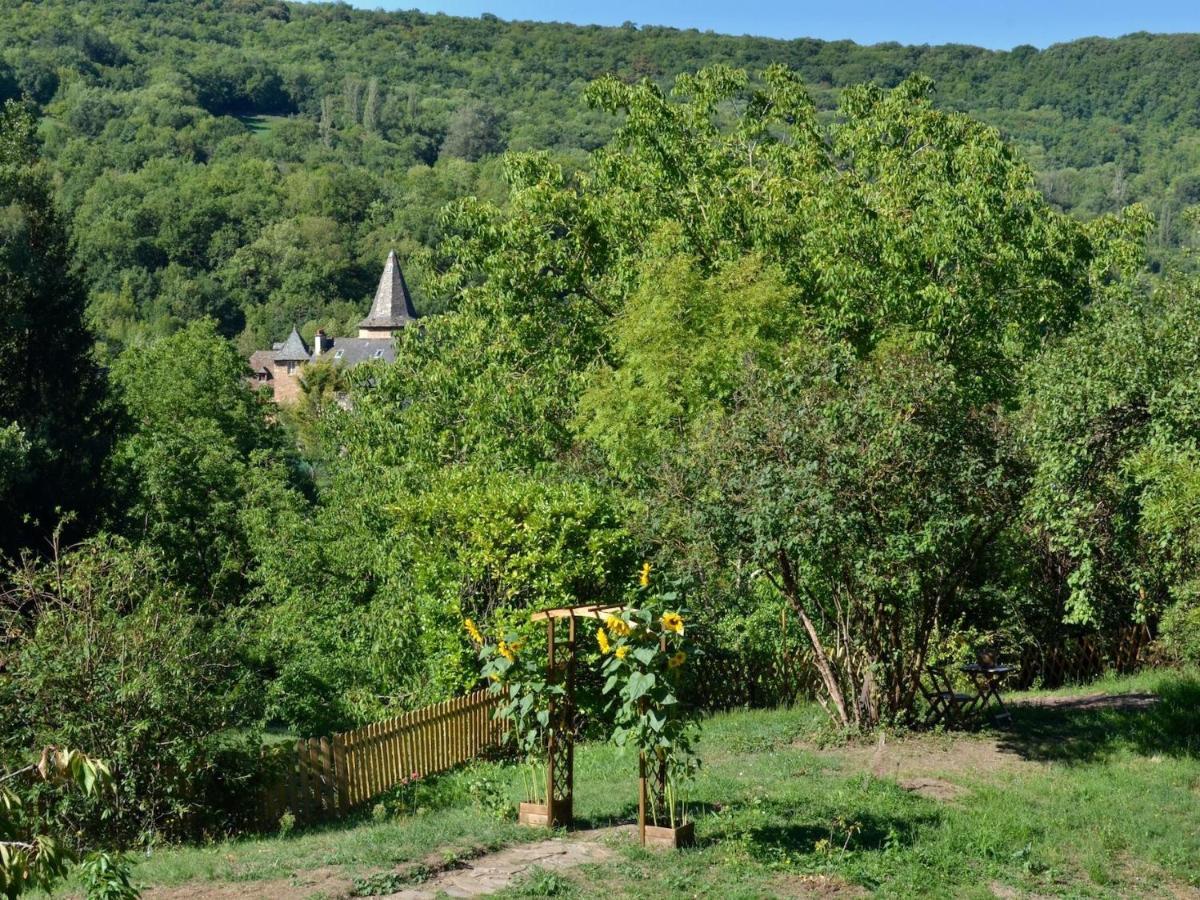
x: 1099, y: 803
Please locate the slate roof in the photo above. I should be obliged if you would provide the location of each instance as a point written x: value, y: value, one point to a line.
x: 260, y: 361
x: 352, y: 351
x: 393, y: 306
x: 293, y: 350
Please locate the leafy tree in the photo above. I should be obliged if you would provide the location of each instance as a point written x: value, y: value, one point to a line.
x: 1109, y: 426
x: 49, y: 385
x: 865, y: 492
x: 473, y: 132
x: 198, y: 436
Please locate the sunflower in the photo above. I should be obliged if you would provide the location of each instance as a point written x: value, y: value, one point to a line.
x: 672, y: 621
x: 602, y: 640
x: 616, y: 626
x: 644, y: 578
x: 508, y: 652
x: 473, y: 631
x: 677, y: 660
x: 622, y: 651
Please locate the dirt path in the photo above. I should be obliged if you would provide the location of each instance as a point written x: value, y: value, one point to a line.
x: 499, y: 870
x: 1090, y: 701
x: 478, y: 877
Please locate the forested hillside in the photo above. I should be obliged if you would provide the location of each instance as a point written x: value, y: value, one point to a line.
x: 252, y: 160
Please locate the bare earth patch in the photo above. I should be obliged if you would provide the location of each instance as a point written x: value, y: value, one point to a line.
x: 1121, y: 702
x: 816, y: 886
x: 933, y: 788
x: 923, y: 763
x: 328, y: 881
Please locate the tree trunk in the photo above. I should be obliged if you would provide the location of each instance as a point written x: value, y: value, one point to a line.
x: 828, y: 677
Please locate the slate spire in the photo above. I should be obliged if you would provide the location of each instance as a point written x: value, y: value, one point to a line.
x: 293, y: 349
x: 393, y: 306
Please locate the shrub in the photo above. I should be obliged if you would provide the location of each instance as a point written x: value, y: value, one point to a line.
x: 1179, y: 631
x: 108, y: 657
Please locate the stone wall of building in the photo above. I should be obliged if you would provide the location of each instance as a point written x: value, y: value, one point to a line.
x: 287, y: 386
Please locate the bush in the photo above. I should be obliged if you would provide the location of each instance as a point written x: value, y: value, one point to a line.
x: 108, y: 658
x: 1179, y: 631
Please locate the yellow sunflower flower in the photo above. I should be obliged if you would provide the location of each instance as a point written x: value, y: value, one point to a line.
x: 473, y: 631
x: 602, y: 640
x: 622, y: 651
x: 677, y: 660
x: 616, y: 625
x: 493, y: 676
x: 644, y: 578
x: 507, y: 652
x: 672, y: 621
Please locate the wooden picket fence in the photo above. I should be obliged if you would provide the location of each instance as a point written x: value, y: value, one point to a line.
x: 322, y: 778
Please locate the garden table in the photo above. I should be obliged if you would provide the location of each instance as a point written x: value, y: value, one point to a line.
x: 987, y: 679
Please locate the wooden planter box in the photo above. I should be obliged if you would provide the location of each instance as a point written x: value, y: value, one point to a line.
x: 674, y: 838
x: 541, y: 815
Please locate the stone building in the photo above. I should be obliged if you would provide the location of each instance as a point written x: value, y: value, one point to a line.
x: 391, y: 311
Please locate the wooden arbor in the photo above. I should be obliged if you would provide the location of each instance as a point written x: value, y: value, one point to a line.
x: 560, y: 749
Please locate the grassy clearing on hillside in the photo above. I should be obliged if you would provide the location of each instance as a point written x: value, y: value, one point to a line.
x: 1091, y: 800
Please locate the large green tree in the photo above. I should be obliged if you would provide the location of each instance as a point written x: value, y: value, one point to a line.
x: 606, y: 321
x: 199, y: 444
x: 1109, y: 426
x: 50, y: 388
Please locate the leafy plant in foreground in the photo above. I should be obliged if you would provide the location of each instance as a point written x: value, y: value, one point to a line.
x: 32, y: 858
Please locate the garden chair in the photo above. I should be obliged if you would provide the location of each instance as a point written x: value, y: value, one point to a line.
x: 947, y: 706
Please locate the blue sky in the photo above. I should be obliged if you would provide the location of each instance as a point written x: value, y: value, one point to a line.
x: 1000, y: 24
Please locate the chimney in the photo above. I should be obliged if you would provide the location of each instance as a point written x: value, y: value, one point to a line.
x: 319, y: 343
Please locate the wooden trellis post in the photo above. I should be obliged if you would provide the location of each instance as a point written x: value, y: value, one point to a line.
x: 560, y: 744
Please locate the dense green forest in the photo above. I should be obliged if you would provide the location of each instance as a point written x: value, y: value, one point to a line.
x: 252, y: 161
x: 786, y: 337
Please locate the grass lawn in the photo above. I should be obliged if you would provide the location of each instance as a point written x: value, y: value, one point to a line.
x: 1076, y: 798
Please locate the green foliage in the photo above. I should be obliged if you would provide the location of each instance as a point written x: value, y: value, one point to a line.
x: 106, y: 654
x: 868, y: 491
x: 106, y: 876
x: 32, y: 858
x: 14, y: 456
x: 490, y: 795
x: 199, y: 445
x: 252, y: 161
x: 1179, y: 630
x: 1109, y: 426
x: 50, y: 389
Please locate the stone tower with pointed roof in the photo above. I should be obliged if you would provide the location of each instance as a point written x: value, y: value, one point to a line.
x: 391, y: 310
